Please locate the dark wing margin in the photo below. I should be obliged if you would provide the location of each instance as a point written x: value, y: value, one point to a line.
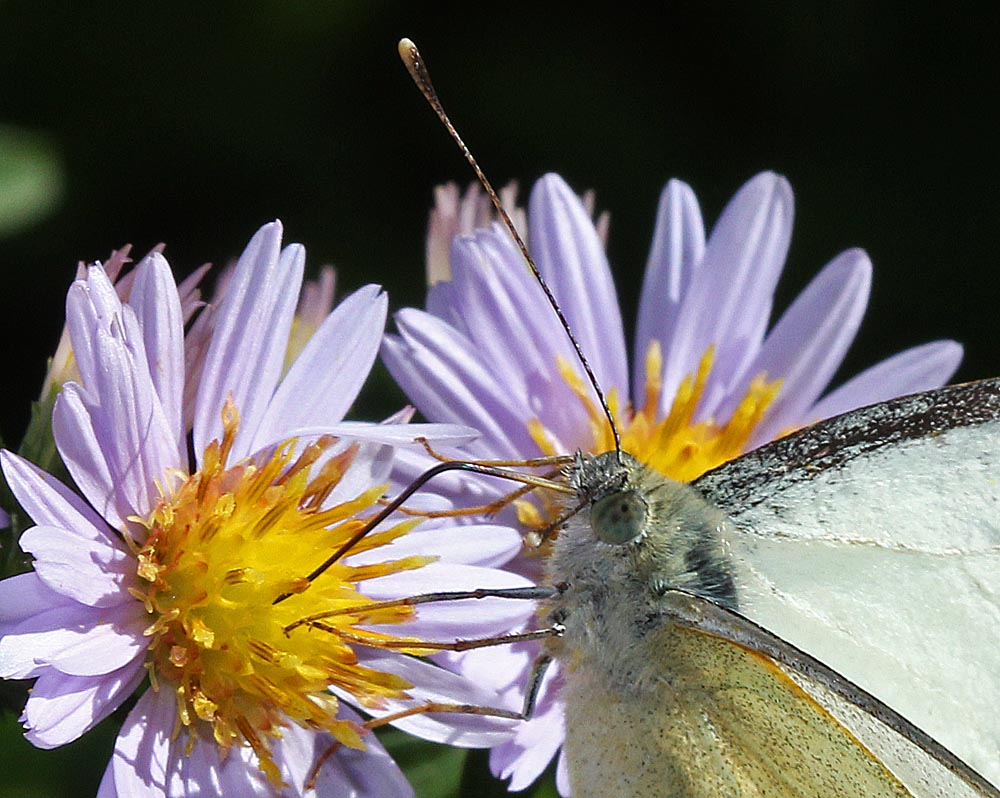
x: 695, y: 612
x: 759, y: 474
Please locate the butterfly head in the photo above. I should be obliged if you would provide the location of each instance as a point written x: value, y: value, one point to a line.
x: 640, y: 531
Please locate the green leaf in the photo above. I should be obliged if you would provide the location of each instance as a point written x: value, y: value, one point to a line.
x: 39, y: 444
x: 38, y: 447
x: 479, y: 782
x: 435, y: 771
x: 443, y: 771
x: 66, y: 772
x: 31, y: 178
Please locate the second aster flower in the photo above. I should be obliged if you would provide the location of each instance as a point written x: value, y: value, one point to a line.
x: 710, y: 378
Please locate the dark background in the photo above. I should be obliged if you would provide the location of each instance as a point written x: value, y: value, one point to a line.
x: 195, y: 123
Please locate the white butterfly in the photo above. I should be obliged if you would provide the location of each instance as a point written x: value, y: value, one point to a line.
x: 718, y: 635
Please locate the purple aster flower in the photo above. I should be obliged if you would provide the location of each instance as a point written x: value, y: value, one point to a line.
x: 167, y: 569
x: 711, y: 377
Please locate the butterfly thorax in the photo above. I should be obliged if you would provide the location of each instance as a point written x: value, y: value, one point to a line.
x: 611, y: 607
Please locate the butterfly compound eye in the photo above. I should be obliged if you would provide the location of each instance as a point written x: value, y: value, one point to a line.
x: 618, y: 518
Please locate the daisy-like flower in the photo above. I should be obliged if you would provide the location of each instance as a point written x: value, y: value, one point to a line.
x: 170, y: 569
x: 710, y: 378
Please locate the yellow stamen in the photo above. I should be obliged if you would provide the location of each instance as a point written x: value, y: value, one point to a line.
x: 221, y: 547
x: 675, y: 445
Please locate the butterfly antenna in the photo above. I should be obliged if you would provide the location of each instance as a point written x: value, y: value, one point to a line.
x: 415, y: 65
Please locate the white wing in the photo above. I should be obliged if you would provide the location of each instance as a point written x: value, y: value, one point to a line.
x: 872, y: 542
x: 921, y: 765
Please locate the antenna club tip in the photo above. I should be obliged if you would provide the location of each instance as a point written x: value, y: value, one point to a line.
x: 407, y: 50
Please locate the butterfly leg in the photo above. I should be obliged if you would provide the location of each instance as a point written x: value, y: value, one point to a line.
x: 534, y: 593
x: 531, y: 692
x: 534, y: 462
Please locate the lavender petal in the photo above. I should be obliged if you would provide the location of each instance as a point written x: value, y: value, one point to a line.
x: 432, y: 684
x: 47, y: 501
x: 920, y: 368
x: 453, y: 619
x: 562, y: 775
x: 571, y: 256
x: 524, y: 758
x: 157, y: 306
x: 351, y: 773
x: 142, y: 758
x: 808, y: 344
x: 244, y: 360
x: 100, y: 642
x: 495, y: 300
x: 485, y: 545
x: 30, y: 640
x: 325, y: 379
x: 139, y: 446
x: 729, y: 302
x: 61, y: 708
x: 22, y: 597
x: 440, y: 371
x: 676, y: 251
x: 82, y: 453
x: 94, y: 571
x: 91, y: 305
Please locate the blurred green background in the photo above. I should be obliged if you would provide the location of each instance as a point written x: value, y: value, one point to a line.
x: 193, y: 123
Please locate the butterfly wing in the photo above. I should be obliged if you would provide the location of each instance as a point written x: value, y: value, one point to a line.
x: 783, y: 723
x: 730, y: 722
x: 872, y: 542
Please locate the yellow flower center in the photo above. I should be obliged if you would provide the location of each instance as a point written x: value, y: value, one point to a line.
x: 674, y: 445
x: 220, y: 549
